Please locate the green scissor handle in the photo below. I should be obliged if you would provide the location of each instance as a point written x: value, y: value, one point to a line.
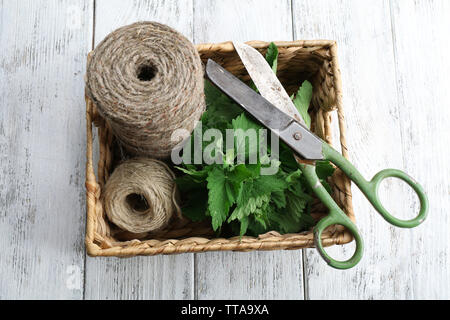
x: 335, y: 216
x: 370, y: 190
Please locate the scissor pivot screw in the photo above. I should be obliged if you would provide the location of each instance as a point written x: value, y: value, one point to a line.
x: 297, y: 136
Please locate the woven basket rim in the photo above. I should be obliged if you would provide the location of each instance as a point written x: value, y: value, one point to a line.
x: 227, y: 46
x: 97, y: 245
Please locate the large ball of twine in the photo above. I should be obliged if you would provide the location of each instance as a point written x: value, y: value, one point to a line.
x: 147, y: 81
x: 141, y: 196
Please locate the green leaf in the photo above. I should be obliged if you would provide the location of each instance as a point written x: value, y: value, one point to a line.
x: 295, y: 205
x: 297, y: 189
x: 228, y: 161
x: 272, y: 56
x: 279, y: 199
x: 245, y: 123
x: 195, y: 208
x: 324, y: 169
x: 288, y: 162
x: 218, y: 198
x: 242, y: 172
x: 294, y: 176
x: 246, y: 135
x: 187, y: 183
x: 193, y: 172
x: 259, y: 221
x: 326, y: 185
x: 244, y: 226
x: 231, y: 192
x: 293, y: 218
x: 255, y: 193
x: 270, y: 183
x: 288, y: 224
x: 261, y: 216
x: 302, y: 101
x: 249, y: 198
x: 220, y: 109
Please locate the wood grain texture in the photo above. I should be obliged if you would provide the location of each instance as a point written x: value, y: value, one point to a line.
x: 421, y: 46
x: 364, y: 35
x: 42, y: 147
x: 225, y: 20
x: 393, y: 59
x: 250, y: 275
x: 160, y: 277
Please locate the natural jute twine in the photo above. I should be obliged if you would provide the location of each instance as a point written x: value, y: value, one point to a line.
x: 147, y: 81
x: 140, y: 196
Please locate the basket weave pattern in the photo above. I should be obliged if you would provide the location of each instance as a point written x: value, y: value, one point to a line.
x: 315, y: 60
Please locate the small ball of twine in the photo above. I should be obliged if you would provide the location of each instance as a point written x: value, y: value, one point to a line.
x: 141, y: 195
x: 147, y: 81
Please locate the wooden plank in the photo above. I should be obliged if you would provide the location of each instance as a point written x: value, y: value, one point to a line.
x: 421, y: 46
x: 250, y: 275
x: 42, y: 139
x: 220, y: 20
x: 363, y: 32
x: 160, y: 277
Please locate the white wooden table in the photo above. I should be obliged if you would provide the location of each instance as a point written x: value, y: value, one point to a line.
x: 395, y: 71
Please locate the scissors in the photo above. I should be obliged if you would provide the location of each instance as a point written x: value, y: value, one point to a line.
x: 293, y: 131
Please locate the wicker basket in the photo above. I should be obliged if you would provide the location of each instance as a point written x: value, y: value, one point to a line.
x: 298, y: 60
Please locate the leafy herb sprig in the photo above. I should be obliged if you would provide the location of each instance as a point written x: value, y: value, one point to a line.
x: 236, y: 194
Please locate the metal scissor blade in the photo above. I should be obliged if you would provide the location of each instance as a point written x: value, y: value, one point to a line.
x: 247, y: 98
x: 297, y: 136
x: 266, y: 80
